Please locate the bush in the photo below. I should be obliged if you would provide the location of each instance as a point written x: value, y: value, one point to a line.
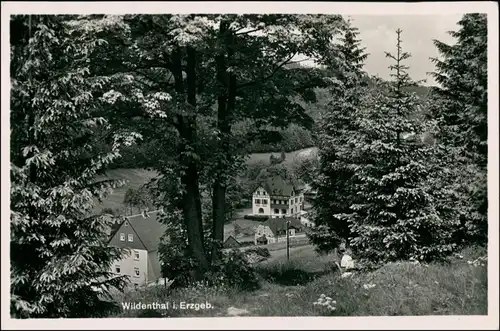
x: 261, y: 251
x: 233, y: 270
x: 260, y: 218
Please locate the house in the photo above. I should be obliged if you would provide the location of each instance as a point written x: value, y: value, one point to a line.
x: 140, y: 235
x: 231, y: 242
x: 274, y: 230
x: 304, y: 219
x: 277, y: 198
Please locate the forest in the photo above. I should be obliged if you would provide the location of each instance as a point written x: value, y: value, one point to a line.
x: 401, y: 172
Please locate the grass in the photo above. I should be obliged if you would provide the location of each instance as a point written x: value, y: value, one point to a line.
x: 291, y: 157
x: 135, y: 178
x: 400, y: 289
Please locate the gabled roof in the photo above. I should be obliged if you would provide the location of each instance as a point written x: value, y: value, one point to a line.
x: 148, y: 228
x: 279, y: 224
x: 231, y: 241
x: 277, y: 185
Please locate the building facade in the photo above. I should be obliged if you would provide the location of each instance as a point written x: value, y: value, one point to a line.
x: 139, y: 236
x: 274, y: 230
x: 277, y: 198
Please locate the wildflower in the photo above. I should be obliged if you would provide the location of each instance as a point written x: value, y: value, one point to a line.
x: 325, y: 301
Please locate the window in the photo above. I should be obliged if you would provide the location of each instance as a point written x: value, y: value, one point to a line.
x: 136, y: 255
x: 291, y: 202
x: 283, y: 211
x: 273, y: 202
x: 276, y: 211
x: 136, y: 272
x: 257, y: 201
x: 122, y: 236
x: 264, y: 201
x: 261, y: 211
x: 125, y: 224
x: 130, y: 237
x: 295, y: 200
x: 117, y: 269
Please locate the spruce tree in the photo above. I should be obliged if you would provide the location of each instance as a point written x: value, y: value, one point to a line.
x: 460, y: 106
x: 60, y: 261
x: 395, y: 216
x: 334, y: 181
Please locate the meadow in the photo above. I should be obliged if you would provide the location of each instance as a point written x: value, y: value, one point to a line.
x: 307, y: 285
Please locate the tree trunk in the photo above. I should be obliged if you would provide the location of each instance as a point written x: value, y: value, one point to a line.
x: 191, y: 201
x: 225, y: 109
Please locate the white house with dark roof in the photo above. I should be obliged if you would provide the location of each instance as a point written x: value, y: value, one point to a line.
x: 274, y: 230
x: 277, y: 198
x: 141, y: 235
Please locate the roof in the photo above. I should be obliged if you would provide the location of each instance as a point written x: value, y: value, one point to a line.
x: 231, y: 241
x: 148, y: 228
x: 279, y: 224
x: 276, y: 185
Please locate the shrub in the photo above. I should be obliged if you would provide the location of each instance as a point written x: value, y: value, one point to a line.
x: 260, y: 218
x: 233, y: 270
x: 261, y: 251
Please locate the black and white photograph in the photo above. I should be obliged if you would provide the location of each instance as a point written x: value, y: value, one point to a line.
x: 209, y: 164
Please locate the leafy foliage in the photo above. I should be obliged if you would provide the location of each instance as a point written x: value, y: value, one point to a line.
x: 60, y: 261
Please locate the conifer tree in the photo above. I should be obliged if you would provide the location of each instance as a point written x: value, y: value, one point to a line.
x: 334, y: 182
x: 395, y: 216
x: 460, y: 106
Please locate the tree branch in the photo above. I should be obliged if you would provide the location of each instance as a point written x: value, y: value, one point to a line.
x: 268, y: 76
x: 247, y: 32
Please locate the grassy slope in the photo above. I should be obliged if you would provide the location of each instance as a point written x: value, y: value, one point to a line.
x: 402, y: 289
x: 290, y: 157
x: 135, y: 178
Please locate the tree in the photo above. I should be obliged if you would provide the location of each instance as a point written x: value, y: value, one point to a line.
x: 395, y: 215
x: 337, y: 131
x: 60, y: 262
x: 252, y: 77
x: 460, y: 108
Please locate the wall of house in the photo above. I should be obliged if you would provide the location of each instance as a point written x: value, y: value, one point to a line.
x: 264, y: 230
x: 130, y: 263
x: 261, y: 195
x: 154, y: 268
x: 296, y: 202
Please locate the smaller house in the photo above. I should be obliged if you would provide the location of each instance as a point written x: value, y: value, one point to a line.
x: 140, y: 235
x: 231, y: 242
x: 304, y: 219
x: 274, y: 230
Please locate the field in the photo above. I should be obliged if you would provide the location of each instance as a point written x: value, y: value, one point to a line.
x: 293, y: 288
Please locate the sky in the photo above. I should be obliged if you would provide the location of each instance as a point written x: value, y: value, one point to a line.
x: 378, y: 34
